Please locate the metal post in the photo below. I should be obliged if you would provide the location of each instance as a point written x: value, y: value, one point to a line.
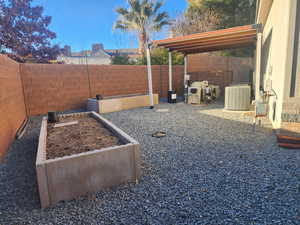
x: 150, y: 87
x: 184, y: 79
x: 258, y: 66
x: 185, y: 70
x: 170, y: 71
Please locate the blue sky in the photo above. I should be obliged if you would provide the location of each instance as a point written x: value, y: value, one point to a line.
x: 80, y: 23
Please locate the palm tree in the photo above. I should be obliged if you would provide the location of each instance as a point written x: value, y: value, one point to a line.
x: 143, y: 17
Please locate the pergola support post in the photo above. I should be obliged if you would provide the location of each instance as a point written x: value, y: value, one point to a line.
x: 170, y: 71
x: 258, y: 66
x: 185, y: 86
x: 149, y: 69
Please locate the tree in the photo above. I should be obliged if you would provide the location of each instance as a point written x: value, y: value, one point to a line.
x: 121, y: 60
x: 228, y: 13
x: 143, y: 17
x: 160, y: 56
x: 194, y: 4
x: 192, y: 23
x: 24, y: 30
x: 232, y: 12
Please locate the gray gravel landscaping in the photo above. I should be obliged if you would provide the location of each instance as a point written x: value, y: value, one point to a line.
x: 211, y: 168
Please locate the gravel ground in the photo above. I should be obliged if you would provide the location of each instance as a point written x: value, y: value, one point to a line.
x: 211, y: 168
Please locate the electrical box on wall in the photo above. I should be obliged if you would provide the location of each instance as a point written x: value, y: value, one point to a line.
x: 270, y: 71
x: 268, y: 85
x: 268, y: 80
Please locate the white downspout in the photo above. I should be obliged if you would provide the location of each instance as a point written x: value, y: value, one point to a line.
x: 150, y: 87
x: 185, y: 71
x: 258, y: 66
x: 184, y: 78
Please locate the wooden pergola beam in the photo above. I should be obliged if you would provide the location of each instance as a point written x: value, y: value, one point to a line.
x: 210, y: 34
x: 207, y: 39
x: 216, y: 43
x: 212, y: 49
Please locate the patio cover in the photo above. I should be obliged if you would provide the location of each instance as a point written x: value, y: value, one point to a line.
x: 236, y: 37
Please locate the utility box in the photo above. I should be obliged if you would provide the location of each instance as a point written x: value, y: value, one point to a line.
x: 172, y: 97
x: 261, y: 109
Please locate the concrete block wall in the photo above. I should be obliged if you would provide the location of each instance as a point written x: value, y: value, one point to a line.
x: 66, y: 87
x: 240, y: 67
x: 123, y: 80
x: 54, y: 87
x: 12, y: 106
x: 117, y: 80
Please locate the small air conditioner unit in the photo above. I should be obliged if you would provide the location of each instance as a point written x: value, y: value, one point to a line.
x: 195, y: 95
x: 237, y: 98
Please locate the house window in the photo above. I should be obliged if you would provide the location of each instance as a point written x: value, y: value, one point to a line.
x: 295, y: 81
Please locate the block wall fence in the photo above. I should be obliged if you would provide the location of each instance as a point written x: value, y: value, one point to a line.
x: 12, y: 105
x: 241, y: 67
x: 34, y: 89
x: 65, y: 87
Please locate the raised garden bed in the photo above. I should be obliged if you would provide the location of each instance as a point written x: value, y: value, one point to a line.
x: 83, y: 153
x: 118, y: 103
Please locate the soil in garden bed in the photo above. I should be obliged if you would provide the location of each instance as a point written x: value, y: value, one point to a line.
x: 87, y: 135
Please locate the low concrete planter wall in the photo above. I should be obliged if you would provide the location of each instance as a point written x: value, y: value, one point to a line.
x: 119, y: 103
x: 71, y: 176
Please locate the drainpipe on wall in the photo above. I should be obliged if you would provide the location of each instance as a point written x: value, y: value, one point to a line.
x: 258, y: 65
x: 150, y: 87
x: 185, y: 85
x: 172, y: 97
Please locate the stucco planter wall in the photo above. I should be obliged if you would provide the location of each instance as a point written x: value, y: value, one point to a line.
x: 68, y: 177
x: 118, y: 103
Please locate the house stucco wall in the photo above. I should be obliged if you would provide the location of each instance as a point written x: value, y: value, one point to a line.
x: 276, y: 55
x: 291, y: 106
x: 295, y: 41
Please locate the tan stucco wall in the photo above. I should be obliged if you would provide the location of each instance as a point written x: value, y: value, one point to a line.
x: 278, y: 23
x: 263, y: 10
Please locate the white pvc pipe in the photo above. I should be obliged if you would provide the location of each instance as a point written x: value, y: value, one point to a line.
x: 150, y: 87
x: 185, y: 85
x: 185, y: 70
x: 258, y: 66
x: 170, y: 71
